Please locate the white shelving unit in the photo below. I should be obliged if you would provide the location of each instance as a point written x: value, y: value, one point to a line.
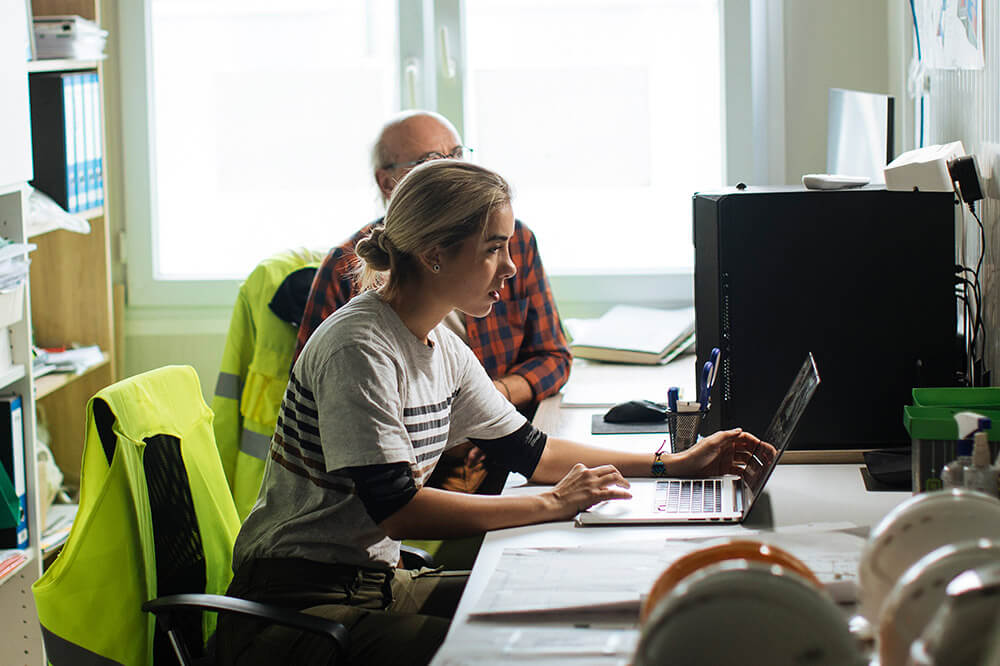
x: 69, y: 290
x: 20, y: 635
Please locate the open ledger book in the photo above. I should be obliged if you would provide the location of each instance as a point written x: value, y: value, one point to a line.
x: 629, y: 334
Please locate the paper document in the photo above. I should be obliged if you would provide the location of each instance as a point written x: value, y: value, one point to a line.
x: 615, y: 578
x: 487, y: 645
x: 58, y: 523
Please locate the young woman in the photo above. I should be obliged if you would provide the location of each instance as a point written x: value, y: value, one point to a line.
x: 378, y: 393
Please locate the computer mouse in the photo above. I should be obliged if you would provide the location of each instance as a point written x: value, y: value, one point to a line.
x: 636, y: 411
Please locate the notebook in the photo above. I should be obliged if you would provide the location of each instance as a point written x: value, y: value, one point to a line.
x: 723, y: 499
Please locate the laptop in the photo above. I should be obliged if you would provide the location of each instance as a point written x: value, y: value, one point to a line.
x: 721, y: 499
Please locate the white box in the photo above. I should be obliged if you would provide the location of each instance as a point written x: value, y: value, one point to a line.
x: 924, y: 169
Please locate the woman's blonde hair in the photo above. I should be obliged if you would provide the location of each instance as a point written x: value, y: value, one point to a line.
x: 438, y: 204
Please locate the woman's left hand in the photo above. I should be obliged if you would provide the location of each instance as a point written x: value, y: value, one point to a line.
x: 724, y: 452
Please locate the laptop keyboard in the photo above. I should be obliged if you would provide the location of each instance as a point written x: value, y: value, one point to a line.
x: 689, y: 496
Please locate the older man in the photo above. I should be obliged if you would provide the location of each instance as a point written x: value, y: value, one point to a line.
x: 520, y: 343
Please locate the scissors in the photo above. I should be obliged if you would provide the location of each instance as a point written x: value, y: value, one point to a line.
x: 707, y: 380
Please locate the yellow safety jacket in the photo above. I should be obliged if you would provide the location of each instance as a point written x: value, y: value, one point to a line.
x: 89, y: 601
x: 253, y: 375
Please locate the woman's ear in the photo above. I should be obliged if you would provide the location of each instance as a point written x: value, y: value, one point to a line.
x: 431, y: 259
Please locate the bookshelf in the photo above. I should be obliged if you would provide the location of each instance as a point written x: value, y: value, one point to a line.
x: 68, y: 300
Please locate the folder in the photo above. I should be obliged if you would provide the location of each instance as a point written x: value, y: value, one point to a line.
x: 12, y: 462
x: 83, y: 194
x: 98, y: 136
x: 53, y: 130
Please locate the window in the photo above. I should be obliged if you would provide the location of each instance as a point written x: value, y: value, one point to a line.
x: 606, y: 130
x: 605, y: 116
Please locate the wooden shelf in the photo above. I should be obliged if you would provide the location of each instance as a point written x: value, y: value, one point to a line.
x: 60, y: 65
x: 50, y: 383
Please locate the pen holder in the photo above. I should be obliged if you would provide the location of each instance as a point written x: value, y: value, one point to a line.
x: 684, y: 429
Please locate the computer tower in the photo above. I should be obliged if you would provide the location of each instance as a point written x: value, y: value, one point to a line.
x: 862, y: 278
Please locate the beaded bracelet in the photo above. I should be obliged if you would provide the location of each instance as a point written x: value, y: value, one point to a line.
x: 659, y: 467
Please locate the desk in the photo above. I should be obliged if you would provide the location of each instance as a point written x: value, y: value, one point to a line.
x: 796, y: 494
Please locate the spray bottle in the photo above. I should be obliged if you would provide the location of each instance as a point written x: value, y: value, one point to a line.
x: 953, y: 474
x: 980, y: 475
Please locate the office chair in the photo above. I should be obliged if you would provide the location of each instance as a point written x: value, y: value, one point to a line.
x: 154, y: 532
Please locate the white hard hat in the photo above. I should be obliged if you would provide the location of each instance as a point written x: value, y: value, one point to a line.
x: 914, y: 528
x: 728, y: 549
x: 737, y: 610
x: 962, y: 630
x: 920, y: 592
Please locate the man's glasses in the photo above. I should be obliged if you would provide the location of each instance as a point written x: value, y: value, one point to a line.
x: 457, y: 153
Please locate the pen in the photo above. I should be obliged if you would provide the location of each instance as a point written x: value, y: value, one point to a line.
x: 672, y: 394
x: 714, y: 358
x: 706, y: 387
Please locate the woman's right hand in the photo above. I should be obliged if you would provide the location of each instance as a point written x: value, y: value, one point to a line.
x: 583, y: 487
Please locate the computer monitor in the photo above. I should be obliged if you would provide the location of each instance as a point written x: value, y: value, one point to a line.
x: 859, y: 133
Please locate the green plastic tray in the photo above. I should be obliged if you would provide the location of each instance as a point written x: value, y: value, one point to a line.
x: 970, y: 398
x: 939, y: 422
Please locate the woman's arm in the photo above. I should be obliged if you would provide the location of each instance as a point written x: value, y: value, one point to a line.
x: 724, y: 452
x: 441, y: 514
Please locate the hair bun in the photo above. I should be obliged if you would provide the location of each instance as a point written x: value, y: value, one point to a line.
x: 374, y: 249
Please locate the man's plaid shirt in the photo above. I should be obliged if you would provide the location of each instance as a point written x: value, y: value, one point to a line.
x: 521, y: 335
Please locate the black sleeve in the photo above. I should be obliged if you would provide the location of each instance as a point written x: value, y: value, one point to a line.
x: 519, y: 451
x: 383, y: 489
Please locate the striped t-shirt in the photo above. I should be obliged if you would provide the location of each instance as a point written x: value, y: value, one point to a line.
x: 364, y: 391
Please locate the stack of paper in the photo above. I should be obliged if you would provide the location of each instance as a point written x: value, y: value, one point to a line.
x: 13, y: 263
x: 58, y: 523
x: 10, y: 561
x: 67, y: 36
x: 70, y: 360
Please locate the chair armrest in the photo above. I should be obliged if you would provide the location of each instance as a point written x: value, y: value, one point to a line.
x: 414, y: 558
x: 162, y: 607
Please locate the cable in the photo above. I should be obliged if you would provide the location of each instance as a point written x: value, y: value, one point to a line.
x: 980, y: 326
x: 916, y: 34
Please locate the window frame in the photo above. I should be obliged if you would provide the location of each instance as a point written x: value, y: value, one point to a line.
x: 743, y: 23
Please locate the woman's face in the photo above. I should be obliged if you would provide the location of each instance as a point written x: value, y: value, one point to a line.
x: 476, y: 269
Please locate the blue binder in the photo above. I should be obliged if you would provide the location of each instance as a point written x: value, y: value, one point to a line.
x: 98, y: 136
x: 12, y: 462
x: 70, y: 132
x: 81, y: 147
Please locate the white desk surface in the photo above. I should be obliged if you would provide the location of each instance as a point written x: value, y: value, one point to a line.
x: 796, y: 494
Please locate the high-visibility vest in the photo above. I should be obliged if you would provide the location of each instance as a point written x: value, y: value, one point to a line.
x: 253, y: 375
x: 89, y: 601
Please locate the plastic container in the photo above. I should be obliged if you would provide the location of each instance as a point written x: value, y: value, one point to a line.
x: 979, y: 474
x: 930, y: 421
x: 953, y: 474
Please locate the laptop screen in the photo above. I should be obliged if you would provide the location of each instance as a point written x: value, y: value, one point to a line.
x: 779, y: 433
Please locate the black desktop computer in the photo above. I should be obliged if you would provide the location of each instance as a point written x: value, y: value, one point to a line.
x: 862, y: 278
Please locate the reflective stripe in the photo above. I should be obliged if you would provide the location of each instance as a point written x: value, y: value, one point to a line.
x: 255, y: 444
x: 228, y: 386
x: 61, y: 652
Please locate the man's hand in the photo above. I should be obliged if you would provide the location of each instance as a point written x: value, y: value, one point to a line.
x: 583, y: 487
x: 724, y: 452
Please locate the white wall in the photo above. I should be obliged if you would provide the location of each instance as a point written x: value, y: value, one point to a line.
x: 842, y: 44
